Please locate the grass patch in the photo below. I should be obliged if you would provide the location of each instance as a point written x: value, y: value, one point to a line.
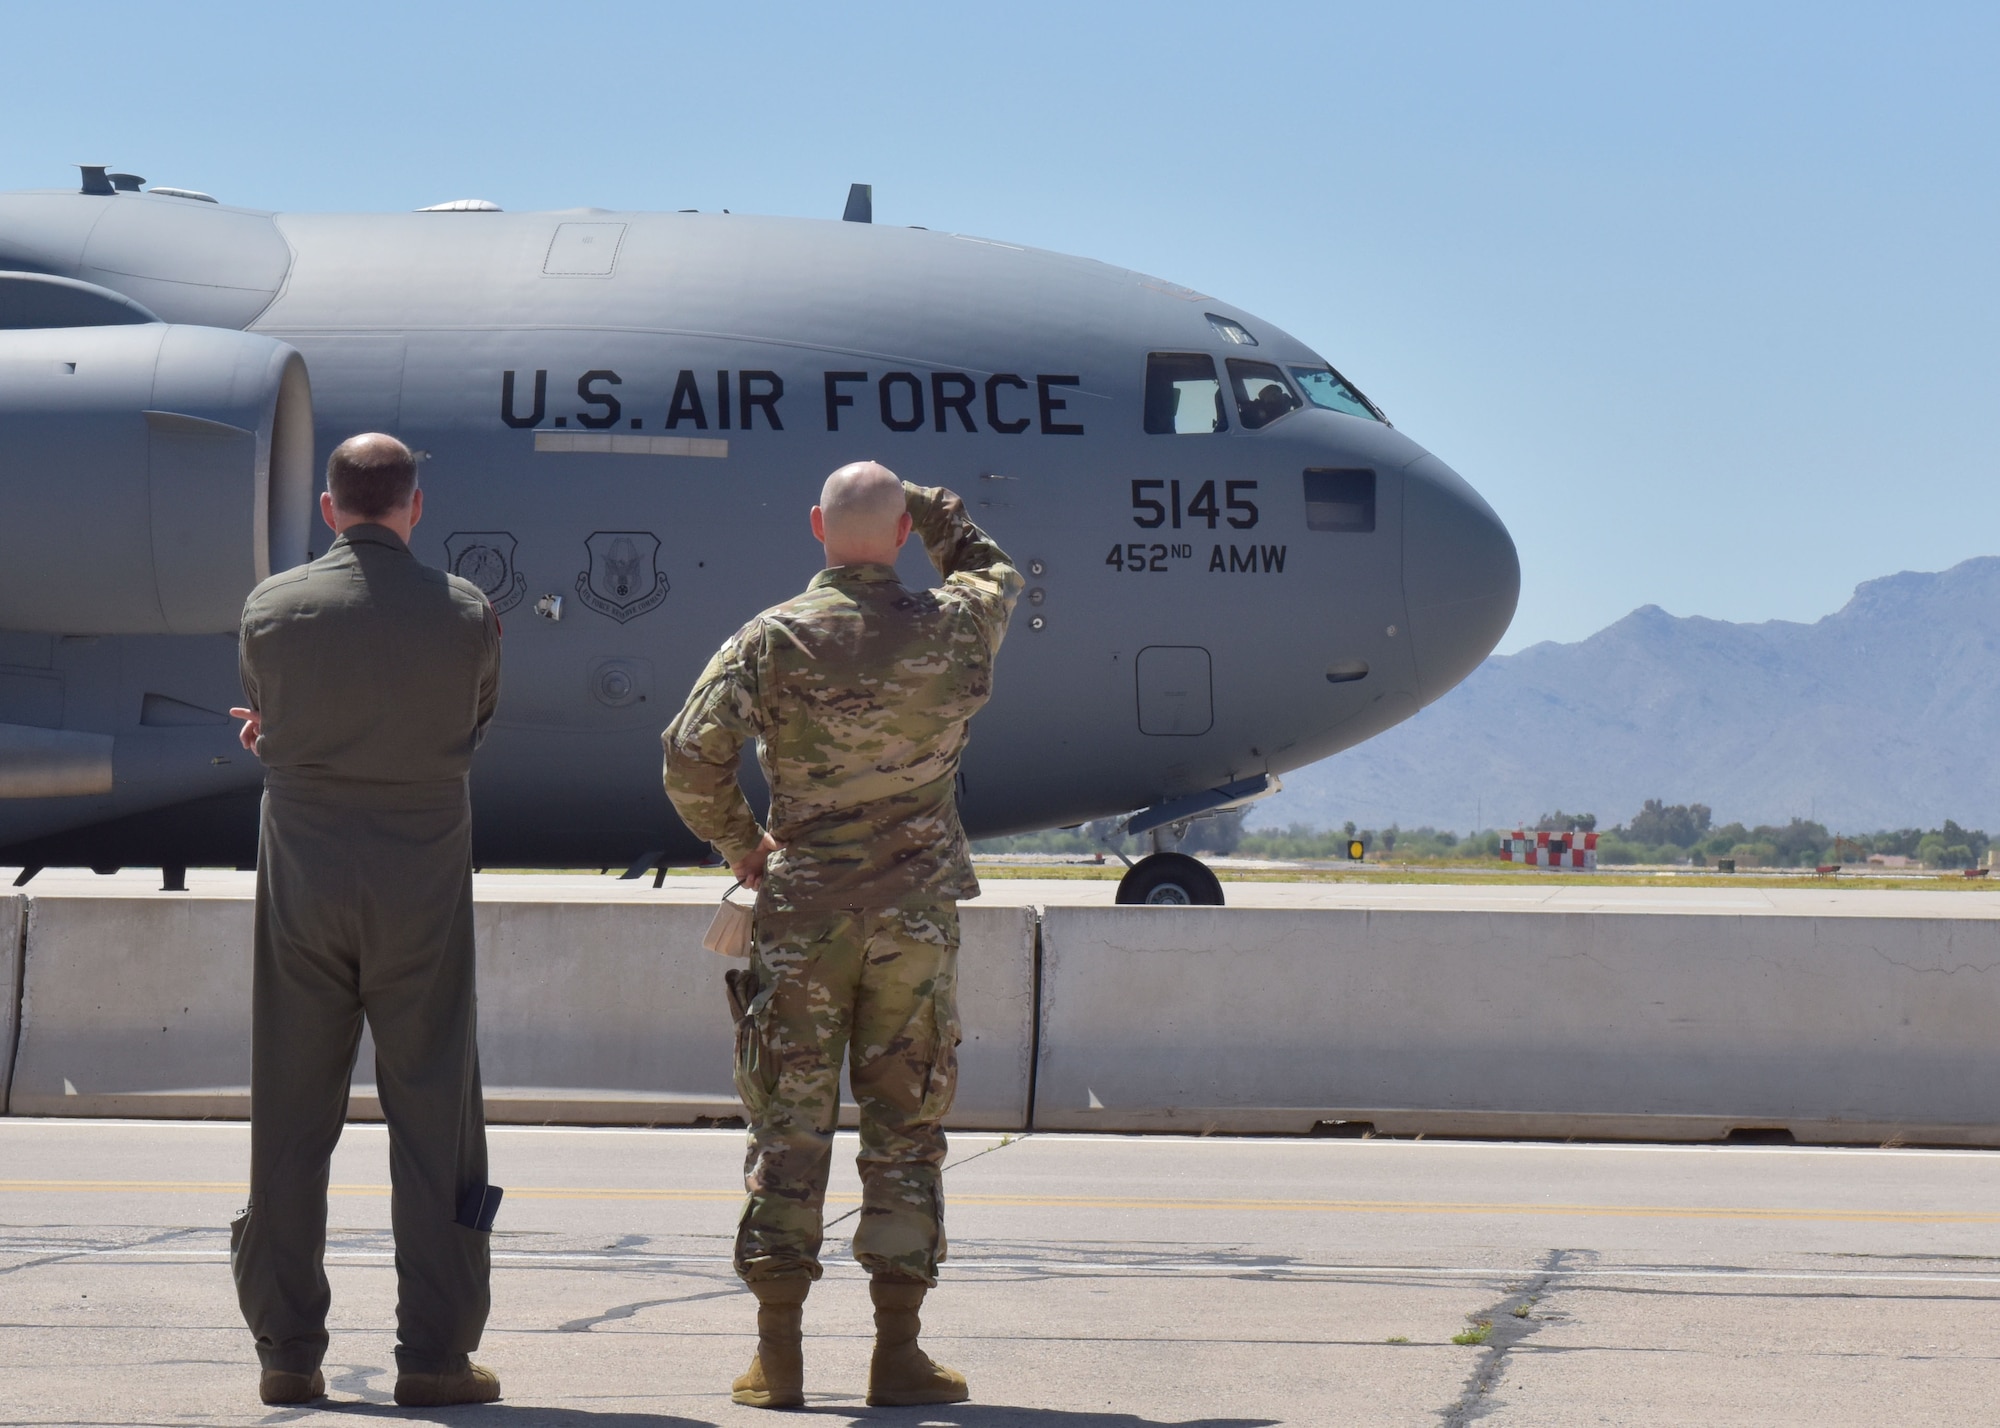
x: 1397, y: 1339
x: 1479, y: 1333
x: 1492, y: 874
x: 1485, y: 874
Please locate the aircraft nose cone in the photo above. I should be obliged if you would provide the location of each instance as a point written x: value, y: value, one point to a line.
x: 1461, y: 577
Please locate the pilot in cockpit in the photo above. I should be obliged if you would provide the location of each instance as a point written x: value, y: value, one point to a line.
x: 1268, y: 400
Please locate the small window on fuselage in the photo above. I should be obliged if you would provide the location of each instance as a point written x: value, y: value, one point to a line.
x: 1183, y: 396
x: 1262, y: 395
x: 1340, y: 499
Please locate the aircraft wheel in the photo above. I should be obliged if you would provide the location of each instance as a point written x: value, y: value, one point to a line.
x: 1171, y: 880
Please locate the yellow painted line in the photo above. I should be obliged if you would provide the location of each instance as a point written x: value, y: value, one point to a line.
x: 1419, y: 1207
x: 187, y: 1187
x: 1096, y: 1202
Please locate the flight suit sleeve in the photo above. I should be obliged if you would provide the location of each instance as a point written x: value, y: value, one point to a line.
x: 704, y: 742
x: 978, y: 575
x: 489, y: 677
x: 246, y: 671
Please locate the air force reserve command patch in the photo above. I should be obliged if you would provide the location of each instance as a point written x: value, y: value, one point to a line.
x: 486, y: 558
x: 624, y: 580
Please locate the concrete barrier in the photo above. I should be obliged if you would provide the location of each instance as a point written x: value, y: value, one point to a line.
x: 1537, y: 1024
x: 606, y: 1013
x: 1541, y: 1024
x: 13, y: 909
x: 134, y: 1007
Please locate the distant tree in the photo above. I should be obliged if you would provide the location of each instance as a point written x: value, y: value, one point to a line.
x: 1800, y: 843
x: 1220, y: 835
x: 1938, y: 851
x: 1901, y: 841
x: 1613, y: 850
x: 1755, y: 855
x: 1681, y: 824
x: 1973, y: 840
x: 1560, y: 822
x: 1722, y: 841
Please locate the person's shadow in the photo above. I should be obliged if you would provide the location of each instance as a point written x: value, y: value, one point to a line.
x: 498, y: 1415
x: 957, y: 1415
x: 999, y: 1415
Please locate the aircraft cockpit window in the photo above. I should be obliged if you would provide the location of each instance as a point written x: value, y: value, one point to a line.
x: 1231, y: 331
x: 1183, y: 395
x: 1262, y: 395
x: 1325, y: 387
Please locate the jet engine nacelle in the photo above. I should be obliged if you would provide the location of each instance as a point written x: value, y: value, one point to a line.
x: 150, y: 475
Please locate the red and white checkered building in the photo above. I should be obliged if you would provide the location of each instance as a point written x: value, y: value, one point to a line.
x: 1550, y: 850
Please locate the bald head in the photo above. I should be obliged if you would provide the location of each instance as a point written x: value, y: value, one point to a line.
x: 371, y: 475
x: 371, y: 479
x: 862, y: 517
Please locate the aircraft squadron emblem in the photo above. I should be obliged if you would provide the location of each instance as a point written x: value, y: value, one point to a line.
x: 624, y: 580
x: 486, y: 558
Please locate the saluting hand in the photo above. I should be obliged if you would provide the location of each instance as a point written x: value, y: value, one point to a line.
x: 749, y: 869
x: 253, y: 725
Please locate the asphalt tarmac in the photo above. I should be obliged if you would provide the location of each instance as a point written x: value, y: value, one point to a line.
x: 1094, y: 1282
x: 1523, y: 893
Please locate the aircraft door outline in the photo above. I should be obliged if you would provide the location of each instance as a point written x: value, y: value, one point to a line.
x: 1176, y: 690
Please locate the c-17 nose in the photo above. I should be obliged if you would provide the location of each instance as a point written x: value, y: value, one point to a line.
x: 1461, y: 576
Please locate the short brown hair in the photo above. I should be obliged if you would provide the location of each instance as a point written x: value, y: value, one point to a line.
x: 371, y: 475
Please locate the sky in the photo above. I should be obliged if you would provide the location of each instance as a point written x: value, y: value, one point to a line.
x: 1701, y: 297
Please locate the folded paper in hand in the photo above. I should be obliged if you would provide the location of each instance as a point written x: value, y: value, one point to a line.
x: 729, y: 933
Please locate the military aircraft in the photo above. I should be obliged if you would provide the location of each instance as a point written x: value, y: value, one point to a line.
x: 1235, y: 564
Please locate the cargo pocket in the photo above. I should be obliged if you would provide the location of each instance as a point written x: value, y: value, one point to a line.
x: 237, y: 1227
x: 941, y: 1081
x: 756, y: 1065
x: 468, y: 1303
x: 474, y: 1249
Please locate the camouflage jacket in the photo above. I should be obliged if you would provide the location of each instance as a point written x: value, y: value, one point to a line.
x: 858, y: 693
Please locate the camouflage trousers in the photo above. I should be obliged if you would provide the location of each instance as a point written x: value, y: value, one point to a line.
x: 880, y: 988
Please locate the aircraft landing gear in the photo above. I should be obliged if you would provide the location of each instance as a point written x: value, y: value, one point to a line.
x: 1172, y: 880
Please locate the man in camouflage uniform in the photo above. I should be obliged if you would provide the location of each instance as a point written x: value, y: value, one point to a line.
x: 858, y: 693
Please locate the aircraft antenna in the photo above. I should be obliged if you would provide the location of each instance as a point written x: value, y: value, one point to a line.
x: 860, y: 203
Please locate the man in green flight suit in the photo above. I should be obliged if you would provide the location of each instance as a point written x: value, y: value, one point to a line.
x: 858, y: 693
x: 370, y: 678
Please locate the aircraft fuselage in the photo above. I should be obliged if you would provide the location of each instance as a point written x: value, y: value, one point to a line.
x: 632, y: 413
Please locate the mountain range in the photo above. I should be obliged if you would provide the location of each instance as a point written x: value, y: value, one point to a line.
x: 1885, y: 714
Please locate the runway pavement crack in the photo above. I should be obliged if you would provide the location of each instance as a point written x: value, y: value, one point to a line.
x: 85, y: 1247
x: 1510, y: 1322
x: 627, y: 1311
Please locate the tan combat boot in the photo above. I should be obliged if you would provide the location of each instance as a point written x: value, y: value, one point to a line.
x: 471, y: 1384
x: 281, y: 1386
x: 777, y: 1376
x: 901, y: 1375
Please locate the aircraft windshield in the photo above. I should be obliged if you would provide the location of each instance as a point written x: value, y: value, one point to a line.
x: 1183, y: 397
x: 1261, y: 393
x: 1325, y: 387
